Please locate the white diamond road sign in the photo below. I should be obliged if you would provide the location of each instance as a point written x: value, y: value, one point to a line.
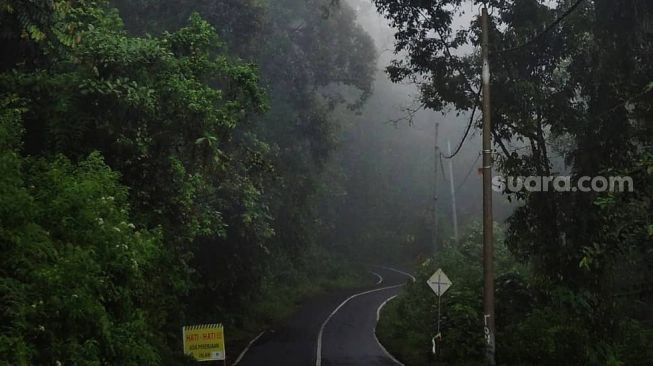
x: 439, y: 282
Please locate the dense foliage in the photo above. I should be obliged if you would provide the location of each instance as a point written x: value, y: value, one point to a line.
x: 172, y: 162
x: 569, y: 99
x: 166, y: 172
x: 74, y: 268
x: 537, y: 320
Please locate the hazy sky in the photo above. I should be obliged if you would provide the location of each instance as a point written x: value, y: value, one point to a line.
x: 420, y: 136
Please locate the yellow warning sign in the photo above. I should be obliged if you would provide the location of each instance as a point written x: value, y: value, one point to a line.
x: 205, y: 342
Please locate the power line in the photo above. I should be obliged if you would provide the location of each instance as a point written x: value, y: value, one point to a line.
x: 469, y: 127
x: 546, y: 30
x: 469, y: 173
x: 527, y: 44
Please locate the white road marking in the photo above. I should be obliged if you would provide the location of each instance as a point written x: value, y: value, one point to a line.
x: 398, y: 271
x: 242, y: 354
x: 379, y: 277
x: 378, y: 310
x: 318, y: 353
x: 378, y: 316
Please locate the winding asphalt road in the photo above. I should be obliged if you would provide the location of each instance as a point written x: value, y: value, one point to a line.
x: 336, y: 329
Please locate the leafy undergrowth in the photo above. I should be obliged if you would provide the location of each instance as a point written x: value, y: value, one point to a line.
x: 408, y: 324
x: 538, y: 322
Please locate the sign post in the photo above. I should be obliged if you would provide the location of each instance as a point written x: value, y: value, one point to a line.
x: 439, y: 283
x: 204, y: 342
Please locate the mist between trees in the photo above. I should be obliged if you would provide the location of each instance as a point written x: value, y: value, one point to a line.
x: 165, y: 163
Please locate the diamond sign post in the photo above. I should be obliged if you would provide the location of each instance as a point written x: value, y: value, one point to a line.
x: 439, y: 283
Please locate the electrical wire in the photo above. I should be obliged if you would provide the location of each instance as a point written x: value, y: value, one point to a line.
x: 471, y: 169
x: 469, y: 127
x: 535, y: 39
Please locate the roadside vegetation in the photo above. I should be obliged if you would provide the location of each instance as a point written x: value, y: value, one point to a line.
x: 161, y: 168
x: 171, y: 162
x: 538, y: 321
x: 571, y: 95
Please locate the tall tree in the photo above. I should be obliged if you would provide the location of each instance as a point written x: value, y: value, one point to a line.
x: 571, y: 83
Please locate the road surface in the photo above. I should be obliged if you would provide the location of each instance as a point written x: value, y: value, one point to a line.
x: 336, y: 329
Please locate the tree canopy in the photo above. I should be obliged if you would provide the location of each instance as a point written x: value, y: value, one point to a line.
x: 163, y: 170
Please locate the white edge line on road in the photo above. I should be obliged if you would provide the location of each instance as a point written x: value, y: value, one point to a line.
x: 398, y: 271
x: 378, y: 316
x: 379, y: 276
x: 378, y: 311
x: 242, y: 354
x: 318, y: 352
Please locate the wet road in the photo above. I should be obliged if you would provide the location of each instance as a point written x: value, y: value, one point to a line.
x: 336, y: 329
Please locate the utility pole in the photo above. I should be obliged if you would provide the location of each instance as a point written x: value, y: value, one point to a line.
x: 453, y: 197
x: 436, y: 155
x: 488, y: 247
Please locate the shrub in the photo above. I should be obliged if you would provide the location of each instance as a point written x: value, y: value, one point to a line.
x: 73, y: 269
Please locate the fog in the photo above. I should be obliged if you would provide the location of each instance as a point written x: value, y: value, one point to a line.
x: 239, y: 181
x: 389, y: 153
